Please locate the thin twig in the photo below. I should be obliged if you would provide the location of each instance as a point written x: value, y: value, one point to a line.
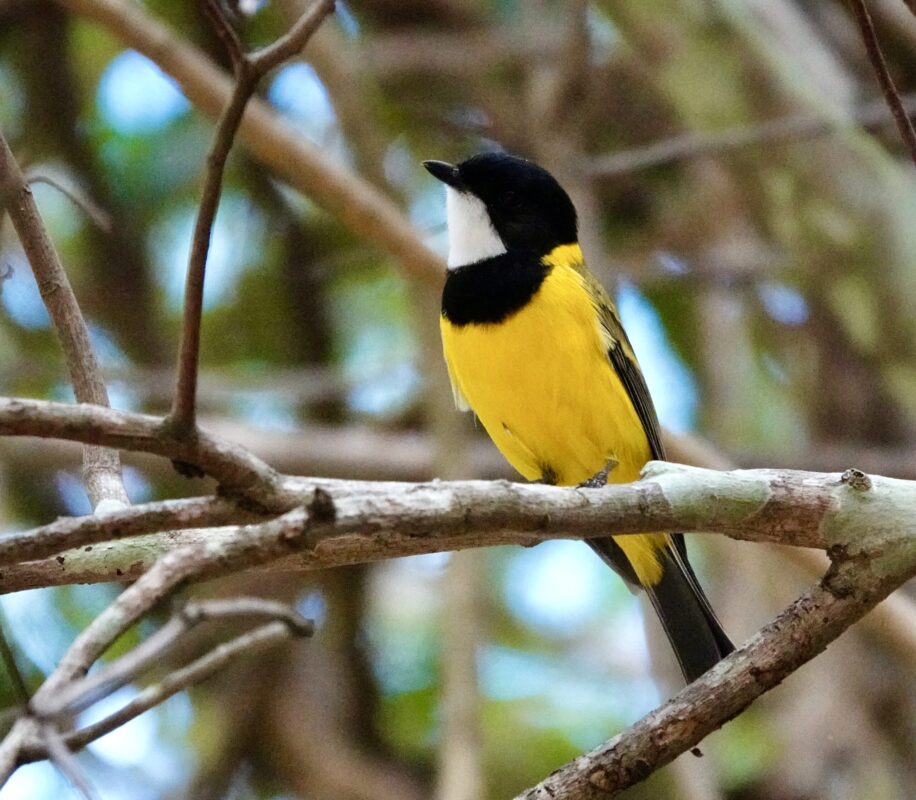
x: 891, y: 95
x: 81, y: 694
x: 249, y: 69
x: 198, y: 670
x: 796, y: 128
x: 151, y: 588
x: 24, y: 729
x: 101, y: 467
x: 294, y: 41
x: 225, y: 30
x: 59, y: 755
x: 81, y: 200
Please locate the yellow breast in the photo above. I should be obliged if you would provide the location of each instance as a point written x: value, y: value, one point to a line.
x: 542, y: 386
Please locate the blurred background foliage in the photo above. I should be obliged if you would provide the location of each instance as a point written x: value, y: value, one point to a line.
x: 768, y: 290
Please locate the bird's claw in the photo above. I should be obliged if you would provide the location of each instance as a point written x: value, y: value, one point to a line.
x: 599, y: 479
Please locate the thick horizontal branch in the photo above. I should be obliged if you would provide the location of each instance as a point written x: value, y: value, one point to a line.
x: 367, y: 521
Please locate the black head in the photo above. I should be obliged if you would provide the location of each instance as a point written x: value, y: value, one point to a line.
x: 528, y: 209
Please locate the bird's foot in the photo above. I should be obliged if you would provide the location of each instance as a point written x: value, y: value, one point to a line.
x: 599, y: 479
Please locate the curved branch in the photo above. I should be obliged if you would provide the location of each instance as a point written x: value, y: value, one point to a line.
x: 796, y: 636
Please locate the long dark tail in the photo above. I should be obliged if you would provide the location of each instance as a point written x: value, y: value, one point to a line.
x: 695, y: 634
x: 691, y: 625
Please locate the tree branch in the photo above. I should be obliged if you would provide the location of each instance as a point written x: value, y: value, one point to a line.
x: 101, y: 467
x: 778, y: 131
x: 798, y: 634
x: 374, y: 520
x: 200, y: 669
x: 891, y: 95
x: 81, y: 694
x: 236, y: 469
x: 249, y: 69
x: 59, y: 755
x: 164, y: 515
x: 355, y: 203
x: 864, y: 519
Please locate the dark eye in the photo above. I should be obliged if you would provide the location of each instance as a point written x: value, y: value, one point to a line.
x: 510, y: 199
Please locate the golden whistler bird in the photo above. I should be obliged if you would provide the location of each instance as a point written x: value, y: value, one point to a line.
x: 535, y: 348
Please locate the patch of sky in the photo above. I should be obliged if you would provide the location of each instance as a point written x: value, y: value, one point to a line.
x: 400, y: 631
x: 298, y: 92
x: 313, y: 606
x: 399, y: 164
x: 670, y: 382
x: 671, y: 263
x: 427, y: 565
x: 62, y: 392
x: 38, y: 781
x: 36, y: 627
x: 579, y: 702
x: 377, y: 354
x: 386, y: 392
x: 19, y: 293
x: 402, y: 661
x: 140, y: 732
x: 604, y: 37
x: 557, y: 587
x: 123, y: 396
x: 349, y: 23
x: 138, y: 745
x: 427, y: 212
x: 72, y: 493
x: 106, y: 348
x: 783, y: 303
x: 265, y: 409
x: 237, y: 241
x: 507, y: 674
x: 138, y: 487
x: 136, y: 97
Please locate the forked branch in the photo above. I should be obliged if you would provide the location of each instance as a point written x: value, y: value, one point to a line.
x: 249, y: 69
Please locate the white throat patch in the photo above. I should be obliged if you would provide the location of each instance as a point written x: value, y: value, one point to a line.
x: 471, y: 235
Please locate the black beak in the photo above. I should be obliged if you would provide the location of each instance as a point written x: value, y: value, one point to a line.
x: 447, y: 173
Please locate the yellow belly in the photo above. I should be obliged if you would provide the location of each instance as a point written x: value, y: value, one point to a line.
x: 541, y: 384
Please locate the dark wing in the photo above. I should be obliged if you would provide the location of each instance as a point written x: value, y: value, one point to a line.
x: 623, y: 360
